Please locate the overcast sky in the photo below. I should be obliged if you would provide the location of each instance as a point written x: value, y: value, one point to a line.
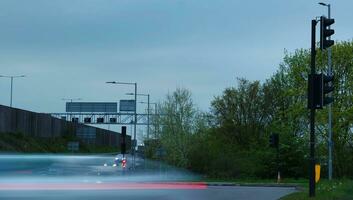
x: 70, y: 48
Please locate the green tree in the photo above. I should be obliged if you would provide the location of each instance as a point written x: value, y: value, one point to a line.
x: 180, y: 120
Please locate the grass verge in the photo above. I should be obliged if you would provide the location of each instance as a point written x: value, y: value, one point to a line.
x: 326, y: 190
x: 298, y: 182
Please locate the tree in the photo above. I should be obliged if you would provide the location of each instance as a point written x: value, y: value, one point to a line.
x: 239, y: 112
x: 180, y: 120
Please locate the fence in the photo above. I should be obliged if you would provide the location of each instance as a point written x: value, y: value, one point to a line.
x: 46, y: 126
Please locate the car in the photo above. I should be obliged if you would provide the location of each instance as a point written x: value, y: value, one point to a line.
x: 120, y: 160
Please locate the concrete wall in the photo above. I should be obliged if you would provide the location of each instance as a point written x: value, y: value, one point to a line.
x: 44, y: 125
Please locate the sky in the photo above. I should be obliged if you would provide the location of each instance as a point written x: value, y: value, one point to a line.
x: 70, y: 48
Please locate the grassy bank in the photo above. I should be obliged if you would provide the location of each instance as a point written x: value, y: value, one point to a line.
x: 17, y: 142
x: 325, y: 190
x: 253, y: 181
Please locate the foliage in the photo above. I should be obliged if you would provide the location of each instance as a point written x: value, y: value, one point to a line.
x: 338, y: 190
x: 179, y: 124
x: 232, y: 139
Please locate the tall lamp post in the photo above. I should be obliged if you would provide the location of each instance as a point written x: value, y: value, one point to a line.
x: 155, y: 111
x: 71, y: 99
x: 329, y: 72
x: 12, y: 77
x: 148, y: 111
x: 135, y: 114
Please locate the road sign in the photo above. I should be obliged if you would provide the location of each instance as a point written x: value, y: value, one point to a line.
x: 127, y: 105
x: 106, y: 107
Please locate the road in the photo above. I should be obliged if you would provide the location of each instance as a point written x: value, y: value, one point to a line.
x: 94, y: 177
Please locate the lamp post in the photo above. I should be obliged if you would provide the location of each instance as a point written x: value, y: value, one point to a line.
x: 148, y: 111
x: 71, y: 99
x: 155, y: 111
x: 12, y: 77
x: 135, y: 115
x: 329, y: 72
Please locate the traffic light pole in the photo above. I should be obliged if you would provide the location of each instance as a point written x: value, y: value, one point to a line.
x: 278, y: 167
x: 329, y: 72
x: 312, y: 114
x: 135, y: 123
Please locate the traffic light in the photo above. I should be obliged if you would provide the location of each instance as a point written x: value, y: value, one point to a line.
x: 87, y: 120
x: 123, y: 140
x: 327, y: 88
x: 100, y: 120
x: 320, y: 86
x: 123, y: 163
x: 326, y: 32
x: 274, y: 140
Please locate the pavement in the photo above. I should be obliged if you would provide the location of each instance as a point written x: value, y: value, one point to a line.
x: 95, y: 177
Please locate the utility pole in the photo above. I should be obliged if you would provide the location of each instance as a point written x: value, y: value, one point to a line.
x: 312, y: 113
x: 329, y: 72
x: 330, y: 143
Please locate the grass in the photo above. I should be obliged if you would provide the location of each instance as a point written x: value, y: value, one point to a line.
x: 301, y: 183
x: 325, y: 190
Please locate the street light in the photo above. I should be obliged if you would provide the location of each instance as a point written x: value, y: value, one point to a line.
x: 329, y: 73
x: 155, y: 105
x: 71, y: 99
x: 155, y: 112
x: 12, y: 77
x: 148, y: 111
x: 135, y: 114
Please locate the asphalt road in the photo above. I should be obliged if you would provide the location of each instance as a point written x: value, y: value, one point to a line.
x: 211, y: 193
x: 94, y: 177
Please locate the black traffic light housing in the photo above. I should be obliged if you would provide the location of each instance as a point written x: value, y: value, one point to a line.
x: 123, y: 140
x: 326, y: 32
x: 274, y: 140
x: 87, y: 120
x: 100, y: 120
x: 315, y: 91
x: 320, y: 86
x: 327, y: 88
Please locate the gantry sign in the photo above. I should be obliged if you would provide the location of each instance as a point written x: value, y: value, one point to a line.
x: 104, y: 118
x: 103, y: 113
